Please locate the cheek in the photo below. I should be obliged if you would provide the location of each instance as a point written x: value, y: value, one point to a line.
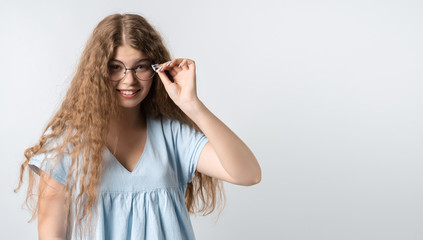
x: 114, y: 84
x: 147, y: 86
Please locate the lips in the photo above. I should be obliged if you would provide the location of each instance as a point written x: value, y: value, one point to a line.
x: 128, y: 91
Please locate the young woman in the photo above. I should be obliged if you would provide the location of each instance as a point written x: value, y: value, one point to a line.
x: 132, y: 149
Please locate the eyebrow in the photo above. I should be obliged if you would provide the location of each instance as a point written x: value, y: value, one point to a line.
x: 139, y: 60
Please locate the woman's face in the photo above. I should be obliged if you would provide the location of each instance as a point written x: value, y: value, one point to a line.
x: 130, y: 89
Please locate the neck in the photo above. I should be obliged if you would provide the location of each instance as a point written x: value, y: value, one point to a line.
x: 132, y: 122
x: 131, y: 118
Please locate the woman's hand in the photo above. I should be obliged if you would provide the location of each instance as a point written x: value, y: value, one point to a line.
x: 183, y: 88
x: 225, y: 156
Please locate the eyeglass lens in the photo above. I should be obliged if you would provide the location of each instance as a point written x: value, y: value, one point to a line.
x: 143, y: 70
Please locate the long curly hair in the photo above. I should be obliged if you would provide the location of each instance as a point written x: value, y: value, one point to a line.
x: 83, y: 121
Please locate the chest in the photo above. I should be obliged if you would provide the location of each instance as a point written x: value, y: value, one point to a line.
x: 129, y: 151
x: 155, y: 167
x: 128, y: 148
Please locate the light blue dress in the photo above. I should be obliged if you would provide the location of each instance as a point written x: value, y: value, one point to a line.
x: 149, y: 202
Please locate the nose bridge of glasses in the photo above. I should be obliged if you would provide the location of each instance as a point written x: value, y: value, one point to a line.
x: 132, y: 69
x: 134, y: 76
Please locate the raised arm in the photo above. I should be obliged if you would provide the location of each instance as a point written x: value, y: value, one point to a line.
x: 225, y: 156
x: 51, y: 214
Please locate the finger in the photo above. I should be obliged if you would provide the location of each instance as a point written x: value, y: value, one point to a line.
x: 156, y: 67
x: 178, y: 61
x: 174, y: 65
x: 162, y: 66
x: 184, y: 64
x: 191, y: 64
x: 165, y: 79
x: 173, y: 72
x: 167, y: 66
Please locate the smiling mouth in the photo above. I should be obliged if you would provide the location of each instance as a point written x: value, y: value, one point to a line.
x: 128, y: 92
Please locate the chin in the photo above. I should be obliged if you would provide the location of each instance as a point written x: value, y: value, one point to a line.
x: 130, y: 106
x: 130, y: 102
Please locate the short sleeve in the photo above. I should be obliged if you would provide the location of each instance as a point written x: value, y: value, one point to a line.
x: 59, y: 170
x: 188, y: 143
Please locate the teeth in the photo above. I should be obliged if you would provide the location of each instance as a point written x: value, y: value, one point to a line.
x: 128, y: 92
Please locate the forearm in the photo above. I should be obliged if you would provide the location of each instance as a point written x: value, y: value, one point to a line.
x: 234, y: 155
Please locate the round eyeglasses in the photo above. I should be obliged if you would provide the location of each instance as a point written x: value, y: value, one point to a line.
x: 143, y: 70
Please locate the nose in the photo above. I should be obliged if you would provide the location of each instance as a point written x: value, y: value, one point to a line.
x: 130, y: 77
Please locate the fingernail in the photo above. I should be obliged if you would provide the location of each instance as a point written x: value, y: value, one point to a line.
x: 180, y: 64
x: 160, y: 68
x: 155, y: 66
x: 168, y: 63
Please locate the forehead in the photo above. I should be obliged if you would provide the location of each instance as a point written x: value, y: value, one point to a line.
x: 127, y: 54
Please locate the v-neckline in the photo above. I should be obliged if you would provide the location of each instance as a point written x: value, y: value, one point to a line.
x: 142, y: 154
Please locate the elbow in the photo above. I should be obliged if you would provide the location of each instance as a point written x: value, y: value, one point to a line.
x: 256, y: 180
x: 253, y: 181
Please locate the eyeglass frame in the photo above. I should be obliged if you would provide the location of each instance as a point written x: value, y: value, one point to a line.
x: 153, y: 66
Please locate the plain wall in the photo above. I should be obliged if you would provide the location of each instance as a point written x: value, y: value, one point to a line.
x: 327, y: 94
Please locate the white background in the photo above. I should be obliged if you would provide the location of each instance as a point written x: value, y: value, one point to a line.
x: 327, y: 94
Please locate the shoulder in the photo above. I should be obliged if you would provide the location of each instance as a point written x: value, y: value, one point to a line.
x: 171, y: 128
x: 165, y: 124
x: 52, y: 140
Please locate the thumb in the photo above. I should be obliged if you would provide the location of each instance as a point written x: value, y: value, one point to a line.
x: 171, y: 88
x: 165, y: 79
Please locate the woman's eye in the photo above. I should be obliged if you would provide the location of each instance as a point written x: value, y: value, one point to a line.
x: 114, y: 67
x: 142, y: 67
